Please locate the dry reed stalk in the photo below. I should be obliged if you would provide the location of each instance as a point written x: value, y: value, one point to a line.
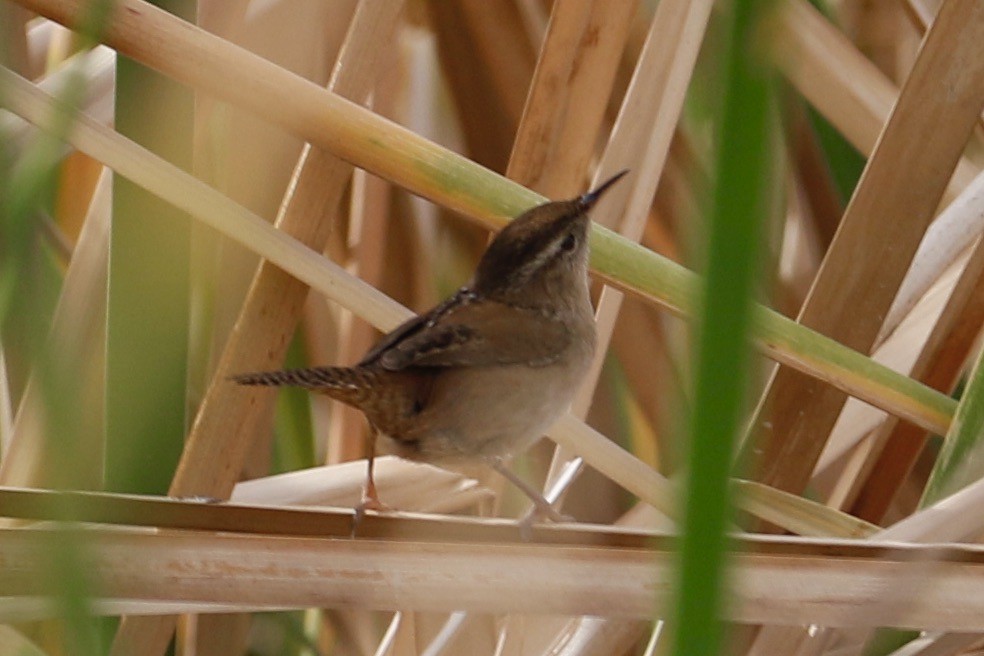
x: 813, y: 175
x: 840, y: 82
x: 568, y: 94
x: 953, y: 232
x: 922, y: 14
x: 797, y: 514
x: 401, y: 638
x: 13, y: 38
x: 488, y: 57
x: 832, y: 74
x: 796, y: 414
x: 780, y: 580
x: 905, y: 177
x: 98, y: 67
x: 942, y: 358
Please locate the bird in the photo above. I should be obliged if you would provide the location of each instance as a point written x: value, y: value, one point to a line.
x: 484, y: 374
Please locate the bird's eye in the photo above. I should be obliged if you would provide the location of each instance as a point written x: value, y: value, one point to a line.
x: 568, y: 243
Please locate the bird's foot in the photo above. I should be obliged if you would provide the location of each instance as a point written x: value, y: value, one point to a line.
x: 542, y: 509
x: 370, y: 501
x: 539, y: 513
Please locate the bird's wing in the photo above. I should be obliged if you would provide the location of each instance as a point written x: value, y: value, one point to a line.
x: 411, y: 328
x: 476, y: 334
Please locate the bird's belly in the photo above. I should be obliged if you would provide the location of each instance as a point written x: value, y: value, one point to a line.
x: 493, y: 411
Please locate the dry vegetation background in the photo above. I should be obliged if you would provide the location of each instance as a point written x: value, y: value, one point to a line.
x: 127, y: 298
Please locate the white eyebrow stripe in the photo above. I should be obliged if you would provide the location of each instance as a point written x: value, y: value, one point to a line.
x: 544, y: 256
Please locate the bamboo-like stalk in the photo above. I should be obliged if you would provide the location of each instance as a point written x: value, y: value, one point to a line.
x: 896, y: 445
x: 899, y: 180
x: 802, y: 516
x: 568, y: 95
x: 953, y: 519
x: 421, y: 166
x: 783, y: 581
x: 952, y: 233
x: 13, y: 38
x: 837, y: 79
x: 903, y: 178
x: 98, y: 70
x: 487, y: 54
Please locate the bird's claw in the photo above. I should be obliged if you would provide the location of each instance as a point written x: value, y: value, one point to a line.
x: 541, y: 513
x: 369, y: 502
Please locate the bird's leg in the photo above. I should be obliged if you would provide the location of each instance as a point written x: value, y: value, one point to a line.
x: 544, y: 509
x: 370, y: 497
x: 554, y: 496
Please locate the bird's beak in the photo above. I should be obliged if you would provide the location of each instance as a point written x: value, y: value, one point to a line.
x: 589, y: 199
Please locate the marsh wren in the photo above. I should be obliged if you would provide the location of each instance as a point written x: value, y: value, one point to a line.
x: 484, y: 374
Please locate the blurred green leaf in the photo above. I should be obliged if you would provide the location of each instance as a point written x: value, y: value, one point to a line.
x: 722, y: 364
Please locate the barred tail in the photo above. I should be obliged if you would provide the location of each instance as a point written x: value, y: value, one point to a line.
x: 347, y: 384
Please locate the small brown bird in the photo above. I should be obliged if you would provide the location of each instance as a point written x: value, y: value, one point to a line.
x: 484, y: 374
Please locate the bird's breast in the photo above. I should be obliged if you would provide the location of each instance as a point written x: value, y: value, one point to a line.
x: 478, y: 412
